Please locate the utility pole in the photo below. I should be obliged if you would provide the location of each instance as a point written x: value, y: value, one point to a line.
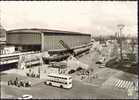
x: 119, y: 39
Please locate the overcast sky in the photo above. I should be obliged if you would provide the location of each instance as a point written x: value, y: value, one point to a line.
x: 95, y: 17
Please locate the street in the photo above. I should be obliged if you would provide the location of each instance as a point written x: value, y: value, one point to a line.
x: 95, y: 89
x: 79, y: 90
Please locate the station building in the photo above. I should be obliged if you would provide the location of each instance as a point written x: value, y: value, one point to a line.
x: 35, y: 39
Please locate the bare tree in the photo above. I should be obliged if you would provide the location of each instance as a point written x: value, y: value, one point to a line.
x: 119, y: 38
x: 114, y: 52
x: 132, y: 43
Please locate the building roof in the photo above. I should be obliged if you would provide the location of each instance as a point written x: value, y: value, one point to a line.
x: 38, y: 30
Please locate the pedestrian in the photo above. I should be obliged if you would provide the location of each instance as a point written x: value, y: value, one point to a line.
x: 18, y: 84
x: 8, y: 82
x: 29, y: 70
x: 21, y: 83
x: 81, y: 77
x: 32, y: 74
x: 16, y: 79
x: 15, y: 82
x: 11, y: 82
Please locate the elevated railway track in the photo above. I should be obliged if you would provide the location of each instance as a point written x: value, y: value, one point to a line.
x: 14, y: 58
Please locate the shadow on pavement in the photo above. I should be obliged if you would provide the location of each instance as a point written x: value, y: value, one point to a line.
x: 123, y: 66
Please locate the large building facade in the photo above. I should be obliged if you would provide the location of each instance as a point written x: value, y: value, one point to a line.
x: 2, y: 36
x: 46, y: 40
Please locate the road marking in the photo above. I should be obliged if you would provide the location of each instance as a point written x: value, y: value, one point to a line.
x: 116, y: 82
x: 121, y: 81
x: 128, y: 84
x: 123, y: 84
x: 131, y: 84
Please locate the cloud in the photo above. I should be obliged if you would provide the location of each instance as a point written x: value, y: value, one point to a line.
x: 89, y: 17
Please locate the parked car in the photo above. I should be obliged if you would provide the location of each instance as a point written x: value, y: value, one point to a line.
x: 79, y: 68
x: 71, y: 71
x: 102, y: 66
x: 98, y: 62
x: 26, y: 96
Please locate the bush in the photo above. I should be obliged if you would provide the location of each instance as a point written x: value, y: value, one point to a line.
x: 79, y: 68
x: 71, y: 71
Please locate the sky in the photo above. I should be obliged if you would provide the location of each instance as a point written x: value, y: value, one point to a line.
x: 93, y: 17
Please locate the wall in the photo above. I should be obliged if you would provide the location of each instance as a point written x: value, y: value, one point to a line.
x: 52, y: 40
x: 24, y: 38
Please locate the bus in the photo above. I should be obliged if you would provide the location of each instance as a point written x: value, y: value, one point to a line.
x: 59, y: 80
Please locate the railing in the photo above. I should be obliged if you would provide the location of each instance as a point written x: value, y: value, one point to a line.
x: 11, y: 58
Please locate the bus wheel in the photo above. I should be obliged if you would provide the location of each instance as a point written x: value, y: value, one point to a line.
x: 61, y: 86
x: 45, y: 83
x: 50, y: 84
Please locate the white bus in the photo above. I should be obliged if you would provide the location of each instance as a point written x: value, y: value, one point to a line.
x: 59, y: 80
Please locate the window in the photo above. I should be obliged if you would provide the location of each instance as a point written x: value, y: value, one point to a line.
x: 65, y: 82
x: 70, y: 78
x: 69, y: 82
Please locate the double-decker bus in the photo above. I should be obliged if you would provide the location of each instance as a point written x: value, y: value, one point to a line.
x: 59, y: 80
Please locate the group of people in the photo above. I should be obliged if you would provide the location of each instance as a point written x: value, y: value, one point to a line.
x: 32, y: 74
x: 19, y: 83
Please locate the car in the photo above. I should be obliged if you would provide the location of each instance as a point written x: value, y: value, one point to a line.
x: 26, y: 96
x: 102, y: 66
x: 71, y: 71
x: 98, y: 62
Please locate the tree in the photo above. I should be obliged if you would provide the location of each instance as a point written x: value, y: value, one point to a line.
x: 120, y: 38
x: 114, y: 52
x: 132, y: 44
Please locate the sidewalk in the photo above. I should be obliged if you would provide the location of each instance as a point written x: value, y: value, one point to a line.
x: 15, y: 71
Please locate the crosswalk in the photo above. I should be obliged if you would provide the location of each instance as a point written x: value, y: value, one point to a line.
x: 118, y: 83
x: 123, y: 84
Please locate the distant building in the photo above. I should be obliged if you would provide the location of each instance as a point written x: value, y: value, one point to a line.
x: 7, y: 50
x: 46, y: 39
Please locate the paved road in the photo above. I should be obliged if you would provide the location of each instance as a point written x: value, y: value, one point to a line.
x: 43, y: 91
x: 78, y: 91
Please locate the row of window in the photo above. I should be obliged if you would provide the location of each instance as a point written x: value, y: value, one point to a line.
x: 57, y: 77
x: 33, y: 60
x: 58, y: 81
x: 10, y: 58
